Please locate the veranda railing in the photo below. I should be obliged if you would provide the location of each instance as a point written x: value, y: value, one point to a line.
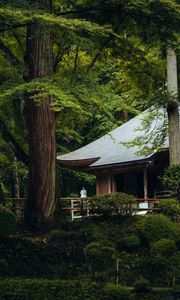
x: 78, y: 208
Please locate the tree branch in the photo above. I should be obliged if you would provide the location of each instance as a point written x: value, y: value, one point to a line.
x: 59, y: 54
x: 19, y: 41
x: 104, y: 45
x: 99, y: 53
x: 57, y: 60
x: 9, y: 138
x: 9, y: 55
x: 11, y: 27
x: 89, y: 9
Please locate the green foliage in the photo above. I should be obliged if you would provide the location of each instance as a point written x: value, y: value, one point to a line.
x: 142, y: 285
x: 12, y: 16
x: 4, y: 267
x: 131, y: 242
x: 155, y: 128
x: 100, y: 257
x: 88, y: 249
x: 57, y: 235
x: 113, y: 204
x: 169, y: 207
x: 176, y: 292
x: 7, y: 222
x: 72, y: 195
x: 33, y: 289
x: 71, y: 182
x: 102, y: 77
x: 155, y: 227
x: 116, y: 292
x: 112, y: 77
x: 163, y: 247
x: 164, y: 260
x: 171, y: 178
x: 95, y: 232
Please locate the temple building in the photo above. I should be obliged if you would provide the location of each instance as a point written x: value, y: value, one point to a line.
x: 119, y: 168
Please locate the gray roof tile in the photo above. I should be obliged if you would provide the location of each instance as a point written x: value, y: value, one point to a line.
x: 109, y: 148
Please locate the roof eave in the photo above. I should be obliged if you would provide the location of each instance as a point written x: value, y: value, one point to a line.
x: 78, y: 162
x: 122, y: 164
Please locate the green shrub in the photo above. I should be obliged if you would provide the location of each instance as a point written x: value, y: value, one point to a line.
x: 48, y: 290
x: 7, y: 222
x: 93, y: 232
x: 99, y: 256
x: 156, y: 295
x: 154, y: 227
x: 118, y: 292
x: 60, y: 235
x: 142, y: 285
x: 131, y: 242
x: 113, y: 204
x: 163, y: 247
x: 73, y: 195
x: 169, y: 207
x: 4, y: 267
x: 176, y: 292
x: 163, y: 261
x: 171, y: 179
x: 57, y: 234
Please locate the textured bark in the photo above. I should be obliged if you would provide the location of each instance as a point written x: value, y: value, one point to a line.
x: 173, y: 109
x: 41, y: 126
x: 174, y: 135
x: 16, y: 179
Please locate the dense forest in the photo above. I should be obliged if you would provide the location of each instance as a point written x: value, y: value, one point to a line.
x: 70, y: 72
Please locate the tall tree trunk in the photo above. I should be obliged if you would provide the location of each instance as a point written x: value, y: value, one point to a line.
x: 16, y: 179
x: 173, y: 108
x: 41, y: 126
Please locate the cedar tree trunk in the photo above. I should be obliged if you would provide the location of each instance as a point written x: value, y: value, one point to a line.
x: 173, y: 108
x: 41, y: 126
x: 16, y: 179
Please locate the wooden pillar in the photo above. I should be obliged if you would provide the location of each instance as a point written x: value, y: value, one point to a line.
x: 103, y: 184
x: 109, y: 184
x: 113, y: 184
x: 97, y: 186
x: 145, y: 184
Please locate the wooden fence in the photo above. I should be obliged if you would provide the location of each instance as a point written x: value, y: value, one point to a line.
x: 78, y: 208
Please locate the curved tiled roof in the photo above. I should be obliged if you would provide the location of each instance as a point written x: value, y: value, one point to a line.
x: 109, y: 149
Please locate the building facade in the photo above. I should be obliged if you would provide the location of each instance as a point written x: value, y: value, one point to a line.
x: 119, y: 168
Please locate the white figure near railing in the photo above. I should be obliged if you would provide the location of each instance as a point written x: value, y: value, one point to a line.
x: 83, y: 193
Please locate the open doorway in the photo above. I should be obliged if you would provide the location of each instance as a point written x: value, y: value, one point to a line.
x: 130, y: 183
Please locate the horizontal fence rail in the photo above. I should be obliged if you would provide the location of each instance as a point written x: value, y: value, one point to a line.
x: 79, y: 207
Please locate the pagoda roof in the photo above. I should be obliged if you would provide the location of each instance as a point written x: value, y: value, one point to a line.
x: 110, y: 149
